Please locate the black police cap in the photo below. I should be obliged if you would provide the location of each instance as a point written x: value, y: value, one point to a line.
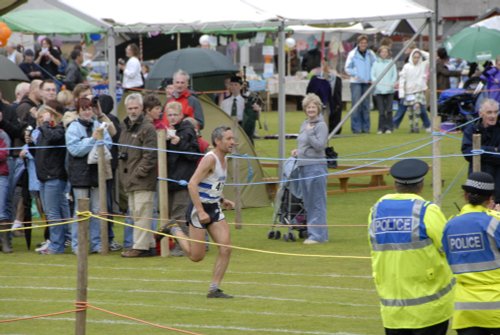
x: 409, y: 171
x: 236, y: 79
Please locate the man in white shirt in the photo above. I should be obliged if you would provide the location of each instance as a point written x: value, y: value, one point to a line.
x: 236, y: 106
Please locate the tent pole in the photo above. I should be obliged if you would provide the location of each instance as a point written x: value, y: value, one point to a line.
x: 373, y: 84
x: 281, y: 95
x: 111, y: 54
x: 436, y: 162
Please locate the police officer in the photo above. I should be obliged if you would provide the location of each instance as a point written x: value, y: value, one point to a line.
x: 471, y: 241
x: 412, y: 278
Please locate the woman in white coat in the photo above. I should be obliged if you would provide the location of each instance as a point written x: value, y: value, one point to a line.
x: 412, y: 87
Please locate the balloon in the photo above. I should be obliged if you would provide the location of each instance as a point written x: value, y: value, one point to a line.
x: 57, y: 42
x: 95, y: 37
x: 5, y: 33
x: 41, y: 38
x: 290, y: 42
x: 3, y: 42
x: 204, y: 40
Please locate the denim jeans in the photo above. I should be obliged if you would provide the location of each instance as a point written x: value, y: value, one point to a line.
x: 15, y: 165
x: 401, y: 114
x: 360, y: 118
x: 4, y: 186
x: 314, y: 197
x: 56, y: 207
x: 94, y: 224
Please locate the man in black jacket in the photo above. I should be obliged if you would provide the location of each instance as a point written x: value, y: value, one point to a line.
x: 181, y: 139
x: 73, y: 71
x: 488, y: 126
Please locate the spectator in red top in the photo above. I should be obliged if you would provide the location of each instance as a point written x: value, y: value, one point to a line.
x: 191, y: 106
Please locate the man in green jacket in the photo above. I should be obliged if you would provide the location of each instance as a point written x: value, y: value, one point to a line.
x: 138, y: 173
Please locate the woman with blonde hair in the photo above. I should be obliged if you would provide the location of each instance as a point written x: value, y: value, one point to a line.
x: 66, y: 99
x: 51, y: 172
x: 312, y: 140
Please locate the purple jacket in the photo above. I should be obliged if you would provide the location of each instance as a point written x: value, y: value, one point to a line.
x: 492, y: 77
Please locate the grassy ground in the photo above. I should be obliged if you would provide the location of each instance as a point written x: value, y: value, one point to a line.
x: 299, y: 293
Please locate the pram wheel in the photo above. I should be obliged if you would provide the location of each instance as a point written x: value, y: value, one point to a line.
x: 289, y: 237
x: 271, y: 234
x: 303, y: 233
x: 277, y: 235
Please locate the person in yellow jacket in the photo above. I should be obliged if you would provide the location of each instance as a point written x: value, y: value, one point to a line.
x: 471, y: 242
x: 412, y: 278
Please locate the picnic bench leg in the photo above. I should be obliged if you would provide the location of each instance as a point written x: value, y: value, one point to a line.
x: 377, y: 180
x: 343, y: 184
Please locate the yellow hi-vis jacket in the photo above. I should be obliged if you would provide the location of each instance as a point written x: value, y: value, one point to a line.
x: 471, y: 241
x: 412, y: 277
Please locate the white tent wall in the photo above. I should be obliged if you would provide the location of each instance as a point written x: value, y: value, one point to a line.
x: 257, y: 14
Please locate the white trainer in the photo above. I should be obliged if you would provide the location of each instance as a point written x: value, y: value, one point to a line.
x: 309, y: 241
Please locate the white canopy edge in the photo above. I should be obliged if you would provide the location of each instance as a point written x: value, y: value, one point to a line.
x: 355, y: 29
x: 199, y: 15
x: 491, y: 23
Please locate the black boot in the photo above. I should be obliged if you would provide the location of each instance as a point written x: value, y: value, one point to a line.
x: 4, y: 238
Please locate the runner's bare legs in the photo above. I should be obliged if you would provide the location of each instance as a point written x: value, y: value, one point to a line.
x: 219, y: 232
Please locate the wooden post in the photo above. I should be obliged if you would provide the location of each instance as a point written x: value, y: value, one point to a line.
x: 103, y: 203
x: 236, y: 177
x: 436, y: 162
x: 476, y: 159
x: 235, y: 54
x: 163, y: 188
x: 82, y: 267
x: 268, y: 100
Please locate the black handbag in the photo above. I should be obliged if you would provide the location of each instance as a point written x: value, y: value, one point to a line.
x: 331, y: 156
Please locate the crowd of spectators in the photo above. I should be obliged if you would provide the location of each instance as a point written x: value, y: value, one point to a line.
x: 53, y: 135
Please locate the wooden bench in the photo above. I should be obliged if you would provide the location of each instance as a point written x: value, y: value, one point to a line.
x: 345, y: 183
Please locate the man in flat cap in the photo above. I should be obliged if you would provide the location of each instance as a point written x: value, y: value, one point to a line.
x: 471, y: 242
x: 236, y: 105
x: 29, y: 67
x: 412, y: 277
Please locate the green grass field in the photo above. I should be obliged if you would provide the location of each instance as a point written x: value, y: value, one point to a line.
x: 296, y: 293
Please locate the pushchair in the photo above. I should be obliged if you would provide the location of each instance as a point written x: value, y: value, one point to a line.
x: 459, y: 105
x: 289, y: 211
